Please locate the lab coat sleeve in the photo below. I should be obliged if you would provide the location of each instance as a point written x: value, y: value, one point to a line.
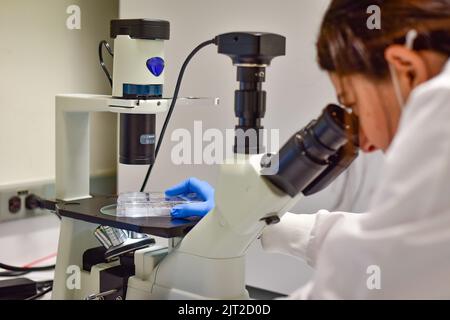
x: 301, y: 235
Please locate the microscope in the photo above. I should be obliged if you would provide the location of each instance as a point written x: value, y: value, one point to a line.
x: 205, y: 258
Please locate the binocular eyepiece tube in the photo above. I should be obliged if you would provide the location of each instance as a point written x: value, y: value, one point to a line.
x: 315, y: 155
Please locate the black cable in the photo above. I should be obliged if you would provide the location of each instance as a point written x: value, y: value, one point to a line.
x: 100, y: 56
x: 172, y: 105
x: 24, y: 269
x: 40, y: 294
x: 13, y: 274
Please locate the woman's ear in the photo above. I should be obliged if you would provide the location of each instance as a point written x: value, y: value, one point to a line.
x: 411, y: 69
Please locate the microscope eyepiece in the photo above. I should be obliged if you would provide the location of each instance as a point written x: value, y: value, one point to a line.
x: 316, y: 155
x: 335, y: 127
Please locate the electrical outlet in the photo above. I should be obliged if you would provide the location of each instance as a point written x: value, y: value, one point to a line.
x: 19, y: 201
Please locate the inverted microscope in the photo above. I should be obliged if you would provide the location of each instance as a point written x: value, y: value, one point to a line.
x: 253, y: 191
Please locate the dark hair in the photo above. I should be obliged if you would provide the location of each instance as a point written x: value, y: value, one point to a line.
x: 346, y: 45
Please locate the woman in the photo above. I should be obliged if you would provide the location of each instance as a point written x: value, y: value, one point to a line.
x: 397, y: 81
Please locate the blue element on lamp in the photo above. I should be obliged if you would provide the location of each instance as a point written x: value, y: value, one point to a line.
x: 155, y: 66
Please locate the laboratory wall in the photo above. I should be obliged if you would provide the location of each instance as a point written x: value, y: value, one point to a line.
x: 297, y: 92
x: 49, y: 47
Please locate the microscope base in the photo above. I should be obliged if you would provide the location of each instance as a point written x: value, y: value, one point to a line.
x: 182, y: 276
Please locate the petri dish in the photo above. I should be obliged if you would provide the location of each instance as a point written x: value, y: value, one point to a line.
x: 146, y: 204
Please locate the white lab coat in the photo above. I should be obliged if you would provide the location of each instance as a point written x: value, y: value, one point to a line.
x: 400, y: 249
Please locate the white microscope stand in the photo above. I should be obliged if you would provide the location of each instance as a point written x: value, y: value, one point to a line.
x: 209, y: 263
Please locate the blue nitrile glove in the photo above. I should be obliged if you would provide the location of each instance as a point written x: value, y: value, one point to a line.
x: 199, y: 209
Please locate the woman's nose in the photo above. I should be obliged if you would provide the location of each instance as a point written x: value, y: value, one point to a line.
x: 364, y: 142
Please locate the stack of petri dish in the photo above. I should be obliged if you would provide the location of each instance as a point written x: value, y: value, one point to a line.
x: 147, y: 204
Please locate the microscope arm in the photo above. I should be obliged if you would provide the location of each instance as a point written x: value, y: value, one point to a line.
x: 243, y: 200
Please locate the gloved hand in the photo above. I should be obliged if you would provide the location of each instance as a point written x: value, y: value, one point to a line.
x: 203, y: 190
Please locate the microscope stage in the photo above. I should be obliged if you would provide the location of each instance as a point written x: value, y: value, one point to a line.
x: 89, y: 210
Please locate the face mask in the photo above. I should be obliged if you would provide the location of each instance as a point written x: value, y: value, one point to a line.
x: 410, y: 38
